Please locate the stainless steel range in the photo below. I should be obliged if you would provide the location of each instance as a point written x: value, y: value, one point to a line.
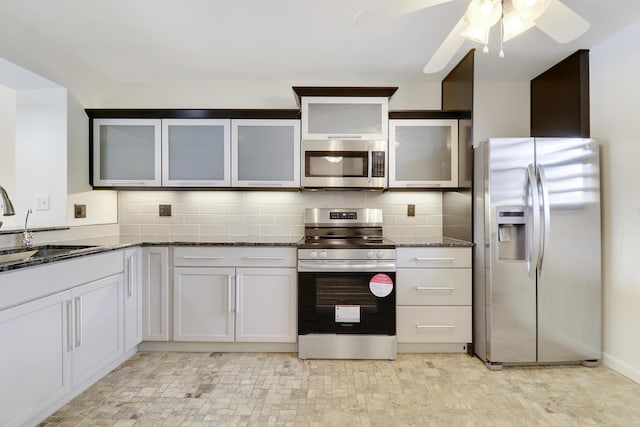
x: 346, y: 286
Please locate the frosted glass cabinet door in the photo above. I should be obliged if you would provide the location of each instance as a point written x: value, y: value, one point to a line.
x: 265, y: 153
x: 345, y: 118
x: 195, y: 153
x: 126, y: 152
x: 423, y: 153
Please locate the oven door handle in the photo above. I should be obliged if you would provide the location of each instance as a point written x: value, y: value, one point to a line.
x: 324, y: 266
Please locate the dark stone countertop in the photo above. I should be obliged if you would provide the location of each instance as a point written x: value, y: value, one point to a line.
x: 98, y: 245
x: 109, y: 243
x: 436, y: 242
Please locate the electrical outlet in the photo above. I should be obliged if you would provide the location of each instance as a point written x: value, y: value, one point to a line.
x: 42, y: 202
x: 79, y: 211
x: 411, y: 210
x: 164, y: 210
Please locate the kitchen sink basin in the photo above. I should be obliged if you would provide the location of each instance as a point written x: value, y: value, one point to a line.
x: 38, y: 252
x: 16, y: 256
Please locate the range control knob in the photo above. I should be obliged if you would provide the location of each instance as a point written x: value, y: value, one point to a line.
x: 379, y: 254
x: 323, y: 254
x: 314, y: 254
x: 370, y: 254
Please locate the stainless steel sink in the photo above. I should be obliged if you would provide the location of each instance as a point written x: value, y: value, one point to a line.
x: 16, y: 256
x: 39, y: 252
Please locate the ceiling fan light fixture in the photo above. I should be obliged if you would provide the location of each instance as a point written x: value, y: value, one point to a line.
x: 514, y: 25
x: 476, y: 34
x: 530, y: 10
x: 484, y: 13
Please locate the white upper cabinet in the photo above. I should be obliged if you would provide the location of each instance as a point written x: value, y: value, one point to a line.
x: 196, y: 152
x: 363, y: 118
x: 126, y: 152
x: 265, y: 153
x: 423, y: 153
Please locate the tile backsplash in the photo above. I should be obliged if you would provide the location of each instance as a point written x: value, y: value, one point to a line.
x: 266, y: 216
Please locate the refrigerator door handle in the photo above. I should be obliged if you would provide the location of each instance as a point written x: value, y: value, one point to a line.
x: 533, y: 237
x: 546, y: 209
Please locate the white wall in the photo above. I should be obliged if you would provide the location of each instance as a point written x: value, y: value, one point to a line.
x: 259, y: 94
x: 615, y: 110
x: 29, y: 61
x: 501, y: 109
x: 101, y: 206
x: 41, y: 155
x: 7, y: 141
x: 31, y: 50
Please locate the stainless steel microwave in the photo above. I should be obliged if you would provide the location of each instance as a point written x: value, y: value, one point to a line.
x: 344, y: 164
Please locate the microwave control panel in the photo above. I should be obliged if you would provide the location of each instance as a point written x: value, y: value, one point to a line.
x: 377, y: 168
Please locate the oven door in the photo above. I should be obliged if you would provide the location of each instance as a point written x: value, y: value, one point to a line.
x: 346, y: 303
x: 344, y: 164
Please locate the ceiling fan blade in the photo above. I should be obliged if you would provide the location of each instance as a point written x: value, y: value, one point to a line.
x: 447, y: 49
x: 561, y: 23
x: 393, y: 10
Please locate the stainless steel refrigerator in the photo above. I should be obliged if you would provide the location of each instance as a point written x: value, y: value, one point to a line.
x: 537, y: 280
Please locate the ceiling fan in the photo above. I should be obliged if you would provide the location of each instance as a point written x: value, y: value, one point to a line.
x: 514, y: 17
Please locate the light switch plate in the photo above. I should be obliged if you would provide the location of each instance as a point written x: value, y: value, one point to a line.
x: 411, y: 210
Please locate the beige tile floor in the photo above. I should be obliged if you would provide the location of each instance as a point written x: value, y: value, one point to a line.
x: 262, y: 389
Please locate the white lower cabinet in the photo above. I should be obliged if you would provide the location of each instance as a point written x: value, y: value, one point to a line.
x: 204, y: 303
x: 155, y: 293
x: 236, y: 303
x: 97, y: 326
x: 434, y: 324
x: 266, y: 305
x: 57, y: 345
x: 35, y: 364
x: 434, y: 295
x: 132, y: 297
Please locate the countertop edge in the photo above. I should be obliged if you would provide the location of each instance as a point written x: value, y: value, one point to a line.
x: 106, y: 247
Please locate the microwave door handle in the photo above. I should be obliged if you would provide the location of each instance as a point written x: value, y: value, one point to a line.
x: 369, y: 163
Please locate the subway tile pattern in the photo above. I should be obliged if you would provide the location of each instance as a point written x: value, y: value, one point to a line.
x: 264, y: 216
x: 269, y: 389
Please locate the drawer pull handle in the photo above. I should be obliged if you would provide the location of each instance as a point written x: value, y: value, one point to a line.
x: 435, y: 288
x: 201, y: 257
x: 419, y: 326
x: 434, y: 259
x: 264, y: 258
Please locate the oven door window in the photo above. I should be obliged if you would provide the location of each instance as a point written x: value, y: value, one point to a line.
x: 343, y: 303
x: 336, y: 164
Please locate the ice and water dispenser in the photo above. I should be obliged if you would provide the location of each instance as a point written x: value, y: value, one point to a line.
x: 511, y: 222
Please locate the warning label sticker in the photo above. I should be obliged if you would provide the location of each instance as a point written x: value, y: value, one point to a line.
x: 381, y: 285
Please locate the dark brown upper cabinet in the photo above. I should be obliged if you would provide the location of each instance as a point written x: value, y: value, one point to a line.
x: 457, y: 86
x: 560, y: 99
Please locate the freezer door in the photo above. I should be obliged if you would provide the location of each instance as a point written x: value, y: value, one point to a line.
x: 569, y: 277
x: 510, y: 284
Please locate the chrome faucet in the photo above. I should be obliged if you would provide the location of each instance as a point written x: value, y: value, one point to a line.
x: 26, y: 235
x: 7, y: 206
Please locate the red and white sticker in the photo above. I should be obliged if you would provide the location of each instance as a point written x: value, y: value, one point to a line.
x: 381, y: 285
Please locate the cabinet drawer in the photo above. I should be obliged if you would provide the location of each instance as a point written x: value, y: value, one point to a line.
x: 434, y: 257
x: 434, y: 324
x: 234, y: 256
x: 433, y: 286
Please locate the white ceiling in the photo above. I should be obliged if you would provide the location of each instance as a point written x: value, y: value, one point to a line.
x: 301, y: 41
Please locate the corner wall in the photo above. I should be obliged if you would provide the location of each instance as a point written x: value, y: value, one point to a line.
x: 614, y: 121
